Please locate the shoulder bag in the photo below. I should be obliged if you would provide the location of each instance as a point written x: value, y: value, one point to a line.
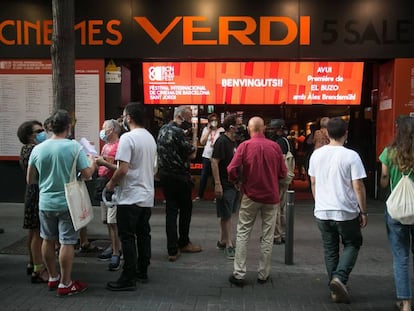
x: 77, y: 197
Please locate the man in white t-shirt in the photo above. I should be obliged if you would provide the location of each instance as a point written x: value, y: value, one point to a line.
x: 135, y: 176
x: 340, y: 205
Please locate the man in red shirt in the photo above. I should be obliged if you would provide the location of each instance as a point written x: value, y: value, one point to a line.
x: 258, y: 165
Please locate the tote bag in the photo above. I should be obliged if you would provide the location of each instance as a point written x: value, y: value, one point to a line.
x: 77, y: 197
x: 290, y: 165
x: 400, y: 203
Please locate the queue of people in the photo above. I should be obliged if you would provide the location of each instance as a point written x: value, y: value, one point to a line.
x: 248, y: 177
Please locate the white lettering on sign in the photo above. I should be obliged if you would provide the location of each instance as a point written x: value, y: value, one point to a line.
x: 252, y: 82
x: 324, y: 70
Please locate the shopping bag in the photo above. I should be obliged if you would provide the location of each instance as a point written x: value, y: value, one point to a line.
x: 290, y: 165
x: 77, y: 197
x: 400, y: 203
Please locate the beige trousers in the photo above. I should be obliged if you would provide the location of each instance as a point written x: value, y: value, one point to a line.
x: 280, y: 227
x: 247, y: 217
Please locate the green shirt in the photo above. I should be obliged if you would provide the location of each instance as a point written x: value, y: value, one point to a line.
x: 394, y: 171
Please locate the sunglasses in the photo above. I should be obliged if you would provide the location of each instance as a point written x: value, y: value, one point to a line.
x: 39, y: 131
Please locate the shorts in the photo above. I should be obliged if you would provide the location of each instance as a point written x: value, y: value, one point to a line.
x: 228, y: 204
x: 58, y: 224
x: 108, y: 214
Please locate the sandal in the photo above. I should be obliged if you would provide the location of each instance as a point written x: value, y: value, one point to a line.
x: 89, y: 248
x: 40, y: 277
x: 29, y: 268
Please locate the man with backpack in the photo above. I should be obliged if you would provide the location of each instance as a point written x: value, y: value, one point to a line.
x: 278, y: 126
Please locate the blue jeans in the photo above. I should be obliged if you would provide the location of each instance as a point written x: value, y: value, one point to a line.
x: 205, y: 174
x: 333, y: 232
x: 400, y: 238
x: 55, y: 225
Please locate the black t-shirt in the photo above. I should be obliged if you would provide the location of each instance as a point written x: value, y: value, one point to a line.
x: 283, y: 143
x: 224, y: 149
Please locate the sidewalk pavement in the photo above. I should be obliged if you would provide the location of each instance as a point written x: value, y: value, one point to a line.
x: 200, y: 281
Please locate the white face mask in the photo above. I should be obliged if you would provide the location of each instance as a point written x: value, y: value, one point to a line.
x: 214, y: 124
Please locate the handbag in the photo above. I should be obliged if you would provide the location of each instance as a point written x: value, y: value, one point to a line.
x: 400, y: 203
x: 77, y: 197
x: 290, y: 165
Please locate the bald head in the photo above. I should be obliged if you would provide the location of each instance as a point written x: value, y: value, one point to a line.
x: 256, y: 125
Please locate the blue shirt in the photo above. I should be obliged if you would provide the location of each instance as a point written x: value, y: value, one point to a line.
x: 53, y: 160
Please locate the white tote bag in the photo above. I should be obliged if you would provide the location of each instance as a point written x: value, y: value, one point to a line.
x: 400, y: 203
x: 77, y: 197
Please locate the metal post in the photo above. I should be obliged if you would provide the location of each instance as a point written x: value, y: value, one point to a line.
x: 290, y: 217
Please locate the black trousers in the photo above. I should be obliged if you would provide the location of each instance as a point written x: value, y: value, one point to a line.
x: 178, y: 202
x: 134, y: 232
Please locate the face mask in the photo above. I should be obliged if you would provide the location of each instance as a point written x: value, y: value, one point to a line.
x: 41, y: 137
x: 102, y: 135
x: 186, y: 125
x: 125, y: 125
x: 214, y: 124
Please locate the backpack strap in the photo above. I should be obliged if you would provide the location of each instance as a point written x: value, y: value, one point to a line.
x: 287, y: 142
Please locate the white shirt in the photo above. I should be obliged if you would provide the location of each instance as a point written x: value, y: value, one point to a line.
x: 334, y: 169
x: 211, y: 139
x: 138, y: 148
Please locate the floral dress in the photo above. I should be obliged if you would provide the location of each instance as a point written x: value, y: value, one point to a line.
x: 31, y: 200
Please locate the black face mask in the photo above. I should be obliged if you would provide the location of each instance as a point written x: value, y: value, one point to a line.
x: 240, y: 130
x: 186, y: 125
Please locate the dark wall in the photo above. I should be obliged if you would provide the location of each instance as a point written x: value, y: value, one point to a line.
x: 12, y: 182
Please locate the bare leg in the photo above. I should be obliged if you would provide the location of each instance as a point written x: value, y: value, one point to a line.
x: 39, y: 270
x: 113, y: 235
x: 29, y: 244
x: 406, y: 306
x: 83, y: 237
x: 36, y: 247
x: 225, y: 225
x: 48, y: 253
x: 66, y: 255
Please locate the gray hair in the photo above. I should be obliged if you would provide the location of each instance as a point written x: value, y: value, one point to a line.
x: 180, y: 110
x: 112, y: 124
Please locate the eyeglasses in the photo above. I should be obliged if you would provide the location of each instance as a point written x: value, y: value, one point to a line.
x: 39, y: 131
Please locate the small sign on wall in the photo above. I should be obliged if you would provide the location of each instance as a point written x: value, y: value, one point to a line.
x: 112, y: 73
x: 113, y: 76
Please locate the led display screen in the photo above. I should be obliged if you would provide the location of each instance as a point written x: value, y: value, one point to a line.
x: 252, y: 83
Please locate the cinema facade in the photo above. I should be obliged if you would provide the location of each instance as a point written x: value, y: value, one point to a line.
x: 296, y: 60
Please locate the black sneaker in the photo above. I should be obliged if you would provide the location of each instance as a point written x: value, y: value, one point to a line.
x: 238, y: 282
x: 142, y: 277
x: 220, y: 245
x: 123, y: 284
x: 106, y: 255
x: 263, y: 281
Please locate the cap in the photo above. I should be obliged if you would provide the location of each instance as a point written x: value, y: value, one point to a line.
x: 277, y: 123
